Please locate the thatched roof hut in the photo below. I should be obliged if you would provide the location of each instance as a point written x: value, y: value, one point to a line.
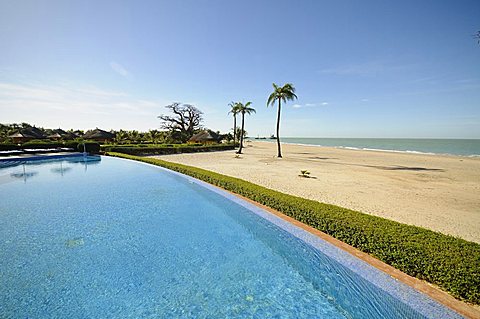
x: 63, y: 134
x: 99, y: 135
x: 54, y: 136
x: 27, y: 134
x: 205, y: 137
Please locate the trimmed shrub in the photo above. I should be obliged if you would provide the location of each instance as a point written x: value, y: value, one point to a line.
x: 449, y: 262
x: 8, y: 147
x: 90, y: 147
x: 165, y: 150
x: 39, y: 144
x: 71, y: 144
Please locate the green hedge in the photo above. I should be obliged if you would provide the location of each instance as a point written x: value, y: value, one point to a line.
x: 108, y: 146
x: 449, y: 262
x: 40, y: 144
x: 165, y: 150
x: 8, y: 147
x: 89, y: 147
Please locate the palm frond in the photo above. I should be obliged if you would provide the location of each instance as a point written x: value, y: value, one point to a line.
x: 233, y: 108
x: 249, y: 110
x: 271, y: 99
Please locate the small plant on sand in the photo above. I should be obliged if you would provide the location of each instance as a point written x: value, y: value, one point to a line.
x: 304, y: 173
x: 237, y: 156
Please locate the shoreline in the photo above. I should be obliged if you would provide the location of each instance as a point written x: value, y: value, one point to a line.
x: 441, y: 193
x: 370, y: 149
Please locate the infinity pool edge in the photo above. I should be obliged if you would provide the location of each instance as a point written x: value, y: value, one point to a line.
x: 365, y: 263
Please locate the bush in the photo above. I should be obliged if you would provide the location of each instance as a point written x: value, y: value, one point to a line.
x: 90, y: 147
x: 71, y: 144
x: 110, y: 146
x: 40, y: 144
x: 449, y: 262
x: 165, y: 149
x: 8, y: 147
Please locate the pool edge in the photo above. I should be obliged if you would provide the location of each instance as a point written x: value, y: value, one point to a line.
x: 424, y: 287
x: 436, y: 294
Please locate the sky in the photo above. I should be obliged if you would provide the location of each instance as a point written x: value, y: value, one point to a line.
x: 406, y: 69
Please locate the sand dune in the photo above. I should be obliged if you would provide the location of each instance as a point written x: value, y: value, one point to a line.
x: 441, y: 193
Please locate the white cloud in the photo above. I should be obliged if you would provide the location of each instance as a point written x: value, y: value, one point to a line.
x: 75, y: 106
x: 309, y: 105
x: 365, y: 100
x: 119, y: 69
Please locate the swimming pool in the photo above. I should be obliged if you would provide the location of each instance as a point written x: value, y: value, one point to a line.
x: 100, y: 237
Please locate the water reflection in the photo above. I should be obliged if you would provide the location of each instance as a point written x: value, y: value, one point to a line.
x: 62, y: 165
x: 60, y: 170
x: 24, y: 175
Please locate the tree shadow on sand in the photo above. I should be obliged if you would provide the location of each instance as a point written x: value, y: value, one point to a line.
x: 322, y: 158
x: 407, y: 168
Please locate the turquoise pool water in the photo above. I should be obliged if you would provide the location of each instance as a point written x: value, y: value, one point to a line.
x: 110, y: 238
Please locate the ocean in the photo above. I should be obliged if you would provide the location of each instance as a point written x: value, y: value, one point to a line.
x: 461, y: 147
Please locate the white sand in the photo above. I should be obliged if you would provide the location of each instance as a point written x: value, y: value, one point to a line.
x: 441, y: 193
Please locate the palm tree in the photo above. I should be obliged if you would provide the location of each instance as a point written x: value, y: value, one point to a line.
x: 153, y: 136
x: 133, y: 136
x: 121, y: 136
x: 234, y: 110
x: 284, y: 93
x: 243, y: 109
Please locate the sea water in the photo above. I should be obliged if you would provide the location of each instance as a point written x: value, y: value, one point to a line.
x: 462, y: 147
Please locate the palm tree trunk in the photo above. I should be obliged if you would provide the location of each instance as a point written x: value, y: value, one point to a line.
x: 278, y: 130
x: 234, y: 130
x: 241, y: 134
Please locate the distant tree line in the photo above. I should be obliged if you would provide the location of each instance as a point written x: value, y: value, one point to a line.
x: 178, y: 126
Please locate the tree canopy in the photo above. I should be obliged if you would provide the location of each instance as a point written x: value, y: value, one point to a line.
x: 184, y: 122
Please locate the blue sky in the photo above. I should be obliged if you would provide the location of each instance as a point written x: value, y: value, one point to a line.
x: 361, y: 68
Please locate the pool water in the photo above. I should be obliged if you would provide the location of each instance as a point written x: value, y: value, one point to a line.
x: 110, y: 238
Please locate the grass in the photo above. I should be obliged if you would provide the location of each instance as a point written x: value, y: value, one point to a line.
x: 449, y: 262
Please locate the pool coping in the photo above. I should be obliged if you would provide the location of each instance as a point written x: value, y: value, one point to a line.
x: 418, y: 292
x: 435, y: 293
x: 440, y: 297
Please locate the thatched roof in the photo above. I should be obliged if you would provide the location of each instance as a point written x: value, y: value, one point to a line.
x: 35, y: 132
x: 205, y: 136
x: 17, y: 135
x: 30, y: 132
x: 98, y: 134
x: 64, y: 134
x: 55, y: 135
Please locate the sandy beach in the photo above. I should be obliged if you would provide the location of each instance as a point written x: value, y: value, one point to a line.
x: 441, y: 193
